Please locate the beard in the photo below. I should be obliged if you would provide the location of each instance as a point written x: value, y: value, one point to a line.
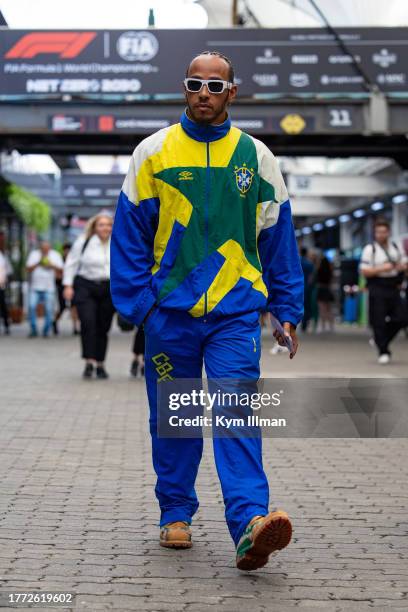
x: 205, y: 120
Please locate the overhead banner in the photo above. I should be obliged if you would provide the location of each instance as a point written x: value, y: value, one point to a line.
x: 151, y: 63
x: 330, y: 119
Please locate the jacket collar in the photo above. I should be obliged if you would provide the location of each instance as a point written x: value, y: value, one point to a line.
x: 204, y: 133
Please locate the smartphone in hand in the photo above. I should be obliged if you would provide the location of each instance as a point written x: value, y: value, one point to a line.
x: 278, y: 327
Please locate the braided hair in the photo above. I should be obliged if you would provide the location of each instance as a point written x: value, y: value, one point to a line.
x: 226, y: 59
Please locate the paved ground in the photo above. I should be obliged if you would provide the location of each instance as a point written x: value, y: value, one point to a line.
x: 77, y: 510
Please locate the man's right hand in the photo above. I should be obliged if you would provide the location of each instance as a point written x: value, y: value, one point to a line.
x: 68, y: 293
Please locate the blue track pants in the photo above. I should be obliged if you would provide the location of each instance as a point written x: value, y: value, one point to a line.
x: 229, y: 347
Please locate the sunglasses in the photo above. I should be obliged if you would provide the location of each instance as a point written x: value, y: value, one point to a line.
x: 213, y: 86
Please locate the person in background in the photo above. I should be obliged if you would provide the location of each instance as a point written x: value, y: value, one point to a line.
x: 383, y: 264
x: 42, y: 265
x: 86, y: 284
x: 325, y: 298
x: 308, y: 276
x: 138, y: 353
x: 62, y: 302
x: 5, y: 271
x: 314, y: 307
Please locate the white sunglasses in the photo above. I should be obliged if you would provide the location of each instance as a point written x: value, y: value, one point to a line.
x: 214, y: 86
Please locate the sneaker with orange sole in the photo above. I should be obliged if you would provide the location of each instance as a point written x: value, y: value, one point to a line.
x: 176, y: 535
x: 263, y: 536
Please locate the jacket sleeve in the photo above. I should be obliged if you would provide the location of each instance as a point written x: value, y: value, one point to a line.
x: 367, y: 258
x: 277, y: 247
x: 132, y: 242
x: 72, y: 261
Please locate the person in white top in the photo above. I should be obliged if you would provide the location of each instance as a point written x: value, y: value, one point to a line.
x: 5, y: 272
x: 42, y: 265
x: 383, y: 264
x: 87, y: 286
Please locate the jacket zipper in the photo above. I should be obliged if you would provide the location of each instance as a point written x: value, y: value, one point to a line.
x: 207, y: 203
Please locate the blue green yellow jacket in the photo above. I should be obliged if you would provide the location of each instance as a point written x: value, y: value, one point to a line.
x: 203, y: 224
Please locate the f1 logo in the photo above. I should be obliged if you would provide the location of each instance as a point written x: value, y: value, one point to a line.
x: 66, y: 44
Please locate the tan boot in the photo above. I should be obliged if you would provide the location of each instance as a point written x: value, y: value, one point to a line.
x: 263, y: 536
x: 176, y: 535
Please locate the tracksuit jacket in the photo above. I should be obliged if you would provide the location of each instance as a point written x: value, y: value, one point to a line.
x: 203, y: 229
x: 203, y: 224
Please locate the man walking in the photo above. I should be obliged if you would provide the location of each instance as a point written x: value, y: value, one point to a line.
x: 42, y: 265
x: 383, y: 265
x: 202, y: 241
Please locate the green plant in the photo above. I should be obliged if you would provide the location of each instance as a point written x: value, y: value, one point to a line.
x: 33, y: 211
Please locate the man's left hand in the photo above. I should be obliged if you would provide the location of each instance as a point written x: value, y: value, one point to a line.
x: 290, y: 331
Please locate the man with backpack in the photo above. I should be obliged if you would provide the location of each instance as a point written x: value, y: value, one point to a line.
x: 383, y: 265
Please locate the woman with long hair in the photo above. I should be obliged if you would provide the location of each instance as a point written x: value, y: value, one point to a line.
x: 87, y: 285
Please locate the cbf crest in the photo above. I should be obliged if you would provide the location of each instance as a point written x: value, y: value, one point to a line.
x: 243, y: 178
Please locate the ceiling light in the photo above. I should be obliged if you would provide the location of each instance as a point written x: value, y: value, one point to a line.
x: 359, y: 213
x: 344, y: 218
x: 377, y: 206
x: 306, y: 230
x: 330, y: 222
x: 399, y: 199
x: 318, y: 227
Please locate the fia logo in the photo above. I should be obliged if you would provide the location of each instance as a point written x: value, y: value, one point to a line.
x: 137, y: 46
x: 243, y: 178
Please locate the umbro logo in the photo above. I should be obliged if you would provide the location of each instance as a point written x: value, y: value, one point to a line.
x: 185, y: 175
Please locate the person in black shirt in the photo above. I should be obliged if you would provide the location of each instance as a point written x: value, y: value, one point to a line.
x: 325, y: 298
